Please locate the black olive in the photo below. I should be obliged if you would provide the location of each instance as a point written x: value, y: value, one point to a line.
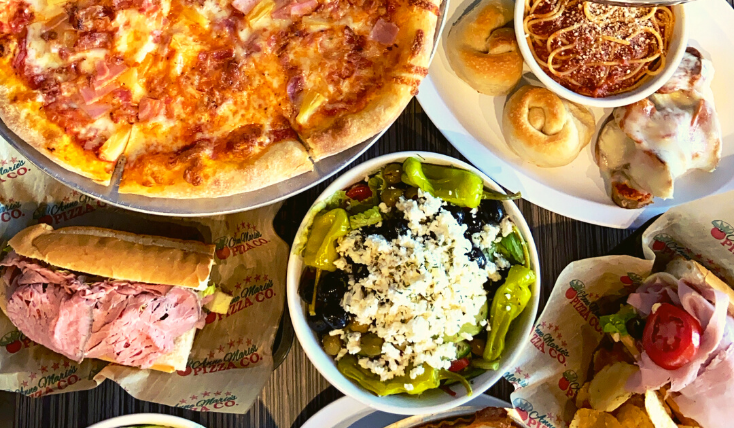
x: 335, y: 316
x: 317, y: 323
x: 394, y: 227
x: 360, y: 271
x: 635, y: 327
x: 478, y: 256
x: 473, y: 223
x: 457, y: 212
x: 491, y: 211
x: 306, y: 287
x: 333, y: 285
x: 371, y: 230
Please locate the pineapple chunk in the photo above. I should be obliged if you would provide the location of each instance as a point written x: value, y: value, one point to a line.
x: 130, y: 80
x: 186, y: 50
x: 115, y: 145
x: 219, y: 303
x: 311, y: 102
x: 607, y: 390
x: 194, y: 16
x: 260, y: 11
x: 315, y: 24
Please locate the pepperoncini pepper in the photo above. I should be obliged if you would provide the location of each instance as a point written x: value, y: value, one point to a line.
x: 320, y: 251
x: 509, y: 301
x: 457, y: 186
x: 349, y: 367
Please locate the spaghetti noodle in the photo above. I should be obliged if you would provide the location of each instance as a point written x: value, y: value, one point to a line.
x: 598, y: 50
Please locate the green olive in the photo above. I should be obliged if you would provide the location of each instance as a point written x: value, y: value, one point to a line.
x: 477, y: 346
x: 390, y: 196
x: 332, y: 344
x: 411, y: 193
x: 392, y: 173
x: 370, y: 344
x: 360, y: 328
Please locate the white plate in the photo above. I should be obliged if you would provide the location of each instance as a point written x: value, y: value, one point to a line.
x: 347, y: 412
x: 147, y: 419
x: 471, y: 122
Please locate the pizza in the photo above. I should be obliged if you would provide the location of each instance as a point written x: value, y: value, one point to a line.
x: 206, y: 98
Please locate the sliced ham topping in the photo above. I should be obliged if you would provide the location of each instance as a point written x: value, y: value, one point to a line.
x: 658, y: 288
x: 131, y: 323
x: 707, y: 399
x: 304, y: 8
x: 295, y: 87
x: 244, y: 6
x: 149, y: 108
x: 384, y: 32
x: 89, y: 41
x: 714, y: 322
x: 96, y: 110
x: 107, y: 73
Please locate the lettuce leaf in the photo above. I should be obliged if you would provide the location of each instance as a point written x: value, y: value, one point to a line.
x: 366, y: 218
x: 513, y: 245
x: 617, y: 323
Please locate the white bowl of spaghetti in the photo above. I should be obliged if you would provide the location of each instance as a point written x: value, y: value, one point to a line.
x: 599, y: 55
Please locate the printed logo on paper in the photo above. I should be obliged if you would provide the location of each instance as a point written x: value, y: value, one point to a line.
x: 532, y: 418
x: 723, y: 232
x: 245, y: 239
x: 12, y: 168
x: 631, y: 280
x: 518, y: 378
x: 245, y: 354
x: 55, y: 377
x: 568, y: 383
x: 548, y: 339
x: 207, y: 401
x: 584, y: 303
x: 252, y: 290
x: 14, y: 341
x: 10, y: 210
x: 71, y: 206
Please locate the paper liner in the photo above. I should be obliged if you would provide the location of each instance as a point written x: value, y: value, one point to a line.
x: 557, y: 356
x: 231, y: 358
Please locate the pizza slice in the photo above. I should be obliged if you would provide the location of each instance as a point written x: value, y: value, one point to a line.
x: 210, y: 124
x: 353, y: 67
x: 61, y: 70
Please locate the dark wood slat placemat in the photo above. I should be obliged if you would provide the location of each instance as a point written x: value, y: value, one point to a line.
x: 296, y: 391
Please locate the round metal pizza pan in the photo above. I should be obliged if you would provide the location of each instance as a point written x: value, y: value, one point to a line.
x: 323, y: 169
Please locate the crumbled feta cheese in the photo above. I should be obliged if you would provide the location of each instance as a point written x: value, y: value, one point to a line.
x: 420, y: 287
x: 336, y: 332
x: 507, y: 226
x: 341, y: 354
x: 408, y: 387
x: 417, y: 372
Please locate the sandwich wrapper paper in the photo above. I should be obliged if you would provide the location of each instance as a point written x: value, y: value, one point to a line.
x: 232, y: 355
x: 556, y: 358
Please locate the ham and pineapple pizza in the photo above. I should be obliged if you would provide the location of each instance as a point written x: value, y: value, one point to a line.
x: 206, y: 98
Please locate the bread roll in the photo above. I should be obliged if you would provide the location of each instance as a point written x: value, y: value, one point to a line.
x: 118, y: 255
x: 483, y: 52
x: 545, y: 129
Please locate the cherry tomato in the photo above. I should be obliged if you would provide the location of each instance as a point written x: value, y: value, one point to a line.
x: 671, y: 337
x: 360, y: 192
x: 459, y: 365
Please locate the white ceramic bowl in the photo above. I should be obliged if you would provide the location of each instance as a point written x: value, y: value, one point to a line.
x: 431, y: 401
x: 676, y: 49
x: 147, y: 419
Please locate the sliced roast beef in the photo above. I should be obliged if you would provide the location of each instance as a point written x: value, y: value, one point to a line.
x: 50, y: 316
x: 127, y: 322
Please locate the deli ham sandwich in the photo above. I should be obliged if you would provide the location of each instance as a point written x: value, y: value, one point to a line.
x: 668, y: 360
x: 86, y: 292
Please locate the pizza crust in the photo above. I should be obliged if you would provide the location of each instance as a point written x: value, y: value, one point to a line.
x: 279, y: 162
x: 47, y: 137
x: 394, y: 95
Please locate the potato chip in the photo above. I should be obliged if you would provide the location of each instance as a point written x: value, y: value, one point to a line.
x: 657, y: 412
x: 607, y: 390
x: 590, y: 418
x: 631, y: 416
x: 582, y: 396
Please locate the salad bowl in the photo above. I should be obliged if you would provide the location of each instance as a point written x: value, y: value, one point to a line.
x: 431, y: 400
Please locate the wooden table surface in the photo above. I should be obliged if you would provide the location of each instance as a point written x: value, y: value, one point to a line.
x: 296, y: 391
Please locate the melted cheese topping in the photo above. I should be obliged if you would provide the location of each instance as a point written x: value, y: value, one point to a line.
x: 42, y: 56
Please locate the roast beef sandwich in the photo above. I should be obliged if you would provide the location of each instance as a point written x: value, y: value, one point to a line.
x: 87, y: 292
